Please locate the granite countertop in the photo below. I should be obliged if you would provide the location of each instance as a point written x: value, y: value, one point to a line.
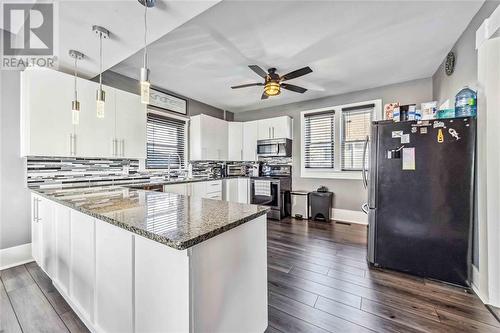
x: 179, y: 181
x: 172, y: 219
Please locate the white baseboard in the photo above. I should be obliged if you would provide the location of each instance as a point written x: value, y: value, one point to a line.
x: 14, y: 256
x: 349, y: 216
x: 475, y: 285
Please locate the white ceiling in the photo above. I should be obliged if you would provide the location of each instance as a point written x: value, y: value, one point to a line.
x: 350, y: 45
x: 125, y: 21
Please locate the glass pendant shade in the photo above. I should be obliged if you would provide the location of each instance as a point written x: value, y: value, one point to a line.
x: 100, y: 103
x: 145, y: 89
x: 75, y: 112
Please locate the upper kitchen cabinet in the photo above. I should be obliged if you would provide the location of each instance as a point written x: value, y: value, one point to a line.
x: 131, y: 127
x: 250, y: 137
x: 46, y: 127
x: 235, y: 146
x: 208, y: 138
x: 275, y: 128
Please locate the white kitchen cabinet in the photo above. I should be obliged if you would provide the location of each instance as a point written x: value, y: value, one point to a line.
x: 237, y: 190
x: 198, y: 189
x: 130, y: 126
x: 275, y: 128
x: 114, y: 279
x: 208, y: 138
x: 94, y: 135
x: 46, y: 119
x: 250, y: 137
x: 183, y: 188
x: 62, y: 245
x: 82, y: 272
x: 235, y: 143
x: 42, y: 233
x: 46, y: 127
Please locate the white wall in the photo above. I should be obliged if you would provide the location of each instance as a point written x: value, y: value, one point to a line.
x: 15, y: 226
x: 349, y: 194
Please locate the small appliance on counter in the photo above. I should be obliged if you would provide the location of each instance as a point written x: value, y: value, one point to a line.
x: 236, y: 170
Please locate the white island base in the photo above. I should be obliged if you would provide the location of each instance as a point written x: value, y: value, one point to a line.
x: 118, y: 281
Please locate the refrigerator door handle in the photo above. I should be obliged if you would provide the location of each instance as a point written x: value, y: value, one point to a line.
x: 364, y: 171
x: 364, y: 208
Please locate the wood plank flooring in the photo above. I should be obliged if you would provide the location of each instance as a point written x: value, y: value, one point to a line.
x: 318, y: 281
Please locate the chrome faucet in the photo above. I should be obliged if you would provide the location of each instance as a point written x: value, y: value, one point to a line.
x: 178, y: 159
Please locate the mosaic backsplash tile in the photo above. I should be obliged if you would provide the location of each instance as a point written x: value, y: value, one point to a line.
x: 58, y: 172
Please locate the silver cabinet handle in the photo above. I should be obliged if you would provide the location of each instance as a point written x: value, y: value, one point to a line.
x: 74, y: 144
x: 70, y: 148
x: 269, y: 132
x: 113, y: 147
x: 123, y: 148
x: 241, y: 154
x: 34, y: 209
x: 273, y: 132
x: 365, y: 178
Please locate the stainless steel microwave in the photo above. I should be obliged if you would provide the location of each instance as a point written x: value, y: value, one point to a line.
x: 274, y: 148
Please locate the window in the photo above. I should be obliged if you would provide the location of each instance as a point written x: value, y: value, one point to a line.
x: 356, y: 122
x: 333, y: 139
x: 166, y: 137
x: 319, y: 140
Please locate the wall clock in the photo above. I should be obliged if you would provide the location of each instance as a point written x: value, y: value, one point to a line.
x: 449, y: 66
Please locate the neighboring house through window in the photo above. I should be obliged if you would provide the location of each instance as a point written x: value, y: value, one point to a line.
x: 333, y: 139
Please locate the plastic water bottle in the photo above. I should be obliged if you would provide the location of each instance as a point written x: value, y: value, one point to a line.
x: 466, y: 103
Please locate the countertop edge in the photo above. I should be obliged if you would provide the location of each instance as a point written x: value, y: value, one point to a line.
x: 152, y: 236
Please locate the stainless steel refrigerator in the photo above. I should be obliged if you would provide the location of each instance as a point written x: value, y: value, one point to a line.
x: 420, y: 206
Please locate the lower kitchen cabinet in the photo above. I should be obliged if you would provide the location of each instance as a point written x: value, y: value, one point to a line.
x: 42, y: 233
x: 237, y: 190
x: 114, y: 278
x: 82, y: 249
x: 62, y: 245
x: 182, y: 189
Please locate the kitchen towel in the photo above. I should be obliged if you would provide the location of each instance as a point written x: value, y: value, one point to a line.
x: 262, y: 187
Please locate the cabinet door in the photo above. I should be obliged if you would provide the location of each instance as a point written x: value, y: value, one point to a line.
x: 264, y: 130
x: 62, y: 222
x: 46, y: 98
x: 243, y: 190
x: 95, y: 136
x: 114, y: 279
x: 130, y: 125
x: 82, y: 263
x: 36, y: 231
x: 199, y: 189
x: 214, y: 138
x: 235, y: 141
x: 250, y: 136
x: 281, y: 127
x: 46, y: 221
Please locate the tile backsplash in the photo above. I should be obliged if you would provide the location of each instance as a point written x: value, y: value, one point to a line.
x: 57, y: 172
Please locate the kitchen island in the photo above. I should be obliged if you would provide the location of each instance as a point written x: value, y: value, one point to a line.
x: 129, y: 260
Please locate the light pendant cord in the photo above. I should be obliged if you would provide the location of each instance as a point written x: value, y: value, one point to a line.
x: 76, y: 76
x: 100, y: 61
x: 145, y: 36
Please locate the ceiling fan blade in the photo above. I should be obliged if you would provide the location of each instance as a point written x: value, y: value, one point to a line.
x: 264, y: 96
x: 294, y: 88
x: 260, y: 72
x: 296, y: 73
x: 247, y: 85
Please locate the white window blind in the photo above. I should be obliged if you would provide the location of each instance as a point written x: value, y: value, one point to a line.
x: 319, y: 140
x: 356, y: 122
x: 165, y: 138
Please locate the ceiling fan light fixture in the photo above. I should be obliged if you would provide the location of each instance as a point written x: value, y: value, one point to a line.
x: 272, y: 88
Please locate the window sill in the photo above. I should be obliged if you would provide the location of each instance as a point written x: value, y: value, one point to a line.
x: 328, y: 174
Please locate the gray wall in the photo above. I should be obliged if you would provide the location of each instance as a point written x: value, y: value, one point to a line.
x: 446, y: 87
x: 15, y: 228
x: 194, y: 107
x: 349, y: 194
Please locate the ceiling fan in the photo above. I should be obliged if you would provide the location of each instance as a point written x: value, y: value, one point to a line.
x: 274, y: 82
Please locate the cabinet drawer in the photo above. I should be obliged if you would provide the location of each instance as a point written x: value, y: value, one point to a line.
x: 214, y: 186
x: 215, y: 196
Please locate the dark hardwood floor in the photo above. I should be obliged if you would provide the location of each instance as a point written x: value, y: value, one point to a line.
x: 319, y: 281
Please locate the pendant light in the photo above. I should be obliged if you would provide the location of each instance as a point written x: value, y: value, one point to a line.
x: 144, y: 83
x: 75, y: 104
x: 101, y: 94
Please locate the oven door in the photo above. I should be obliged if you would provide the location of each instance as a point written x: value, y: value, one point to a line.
x: 274, y: 200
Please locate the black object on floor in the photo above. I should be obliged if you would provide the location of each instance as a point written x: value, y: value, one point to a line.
x: 320, y: 205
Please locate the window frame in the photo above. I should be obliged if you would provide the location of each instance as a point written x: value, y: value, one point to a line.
x: 167, y: 115
x: 360, y: 110
x: 336, y: 172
